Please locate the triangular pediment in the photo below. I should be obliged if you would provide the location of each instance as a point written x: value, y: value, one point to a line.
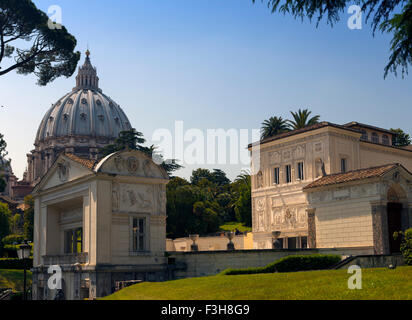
x: 64, y: 170
x: 131, y: 163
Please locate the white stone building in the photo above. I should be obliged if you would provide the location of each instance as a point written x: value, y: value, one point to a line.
x: 290, y: 196
x: 101, y: 222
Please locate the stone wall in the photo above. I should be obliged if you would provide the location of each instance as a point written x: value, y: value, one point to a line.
x: 199, y: 264
x: 374, y: 261
x: 241, y: 242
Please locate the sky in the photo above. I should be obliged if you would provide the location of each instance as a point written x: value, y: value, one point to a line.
x: 213, y: 64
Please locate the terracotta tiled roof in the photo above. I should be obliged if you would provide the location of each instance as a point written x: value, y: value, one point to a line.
x: 306, y: 129
x: 351, y: 176
x: 88, y: 163
x: 358, y: 124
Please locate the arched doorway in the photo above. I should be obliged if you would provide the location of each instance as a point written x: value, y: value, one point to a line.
x: 395, y: 197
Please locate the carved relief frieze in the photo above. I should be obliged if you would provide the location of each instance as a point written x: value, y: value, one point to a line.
x: 299, y: 152
x: 318, y: 147
x: 288, y: 218
x: 275, y: 157
x: 260, y: 211
x: 161, y: 200
x: 115, y: 196
x: 63, y: 171
x: 136, y: 198
x: 132, y: 164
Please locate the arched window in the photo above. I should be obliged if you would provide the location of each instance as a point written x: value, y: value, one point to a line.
x: 375, y: 137
x: 385, y: 139
x: 364, y: 135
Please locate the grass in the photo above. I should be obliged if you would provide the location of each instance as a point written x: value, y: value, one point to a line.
x: 13, y: 279
x: 379, y: 283
x: 231, y: 226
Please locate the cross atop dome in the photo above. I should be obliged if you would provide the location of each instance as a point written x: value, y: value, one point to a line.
x: 87, y: 76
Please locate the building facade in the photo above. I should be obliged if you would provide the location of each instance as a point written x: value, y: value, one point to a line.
x: 283, y: 165
x: 100, y: 222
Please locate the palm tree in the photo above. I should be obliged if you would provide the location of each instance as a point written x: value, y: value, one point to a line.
x: 243, y: 177
x: 274, y: 126
x: 302, y: 120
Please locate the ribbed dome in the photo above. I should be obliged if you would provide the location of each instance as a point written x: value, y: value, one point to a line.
x: 84, y: 112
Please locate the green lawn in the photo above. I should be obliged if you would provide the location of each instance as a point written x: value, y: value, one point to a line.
x: 231, y: 226
x: 13, y: 279
x: 329, y: 284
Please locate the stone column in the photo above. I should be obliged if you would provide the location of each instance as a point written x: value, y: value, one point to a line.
x: 410, y: 215
x: 311, y: 228
x: 405, y: 215
x: 380, y: 227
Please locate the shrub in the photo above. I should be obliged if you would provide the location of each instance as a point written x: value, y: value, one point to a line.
x: 15, y: 264
x: 292, y: 264
x: 13, y: 239
x: 406, y: 245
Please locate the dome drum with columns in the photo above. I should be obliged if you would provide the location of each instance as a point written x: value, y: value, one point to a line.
x: 81, y: 122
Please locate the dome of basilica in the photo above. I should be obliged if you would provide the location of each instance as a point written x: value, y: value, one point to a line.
x: 84, y: 112
x: 81, y: 122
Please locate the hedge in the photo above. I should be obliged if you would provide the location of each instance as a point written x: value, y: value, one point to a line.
x: 406, y: 245
x: 15, y: 264
x: 13, y: 239
x: 292, y: 264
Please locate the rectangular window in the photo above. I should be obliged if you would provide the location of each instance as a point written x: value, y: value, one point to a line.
x: 139, y: 232
x: 276, y: 176
x: 288, y: 173
x: 343, y: 166
x: 300, y: 171
x: 73, y: 241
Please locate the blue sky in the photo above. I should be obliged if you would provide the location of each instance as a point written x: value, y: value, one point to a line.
x: 213, y: 64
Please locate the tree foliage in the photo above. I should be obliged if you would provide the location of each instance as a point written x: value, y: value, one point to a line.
x: 382, y: 14
x: 202, y: 205
x: 277, y: 125
x: 274, y: 126
x: 32, y: 47
x: 3, y: 161
x: 302, y: 119
x: 5, y: 215
x: 243, y: 205
x: 400, y: 138
x: 28, y: 218
x: 133, y: 140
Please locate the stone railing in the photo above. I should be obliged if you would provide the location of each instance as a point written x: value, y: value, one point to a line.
x: 66, y: 259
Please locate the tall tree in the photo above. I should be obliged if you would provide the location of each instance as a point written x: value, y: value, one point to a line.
x: 400, y: 138
x: 3, y: 161
x: 133, y: 140
x: 384, y: 18
x: 5, y: 215
x: 243, y: 204
x: 28, y: 218
x: 28, y: 42
x: 302, y: 119
x: 274, y: 126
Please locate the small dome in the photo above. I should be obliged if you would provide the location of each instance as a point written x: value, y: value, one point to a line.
x: 84, y: 112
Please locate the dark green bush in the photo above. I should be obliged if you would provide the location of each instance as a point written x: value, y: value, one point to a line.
x: 292, y: 264
x: 13, y: 239
x: 15, y: 264
x: 406, y: 245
